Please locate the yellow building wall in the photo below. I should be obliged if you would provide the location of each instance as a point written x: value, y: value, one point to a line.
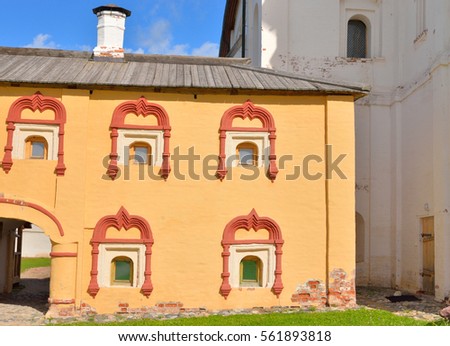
x: 187, y: 217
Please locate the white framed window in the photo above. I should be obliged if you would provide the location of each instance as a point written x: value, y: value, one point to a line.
x: 118, y: 260
x: 259, y: 260
x: 122, y: 271
x: 36, y: 147
x: 24, y: 146
x: 140, y: 153
x: 154, y: 140
x: 247, y: 148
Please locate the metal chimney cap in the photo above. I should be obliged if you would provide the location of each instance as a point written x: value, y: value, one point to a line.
x: 112, y: 7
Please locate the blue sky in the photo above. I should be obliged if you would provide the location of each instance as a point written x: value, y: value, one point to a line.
x: 186, y: 27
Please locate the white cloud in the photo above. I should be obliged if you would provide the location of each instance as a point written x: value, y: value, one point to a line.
x: 84, y: 48
x: 207, y: 49
x: 134, y: 51
x: 42, y: 41
x: 179, y: 49
x: 158, y: 39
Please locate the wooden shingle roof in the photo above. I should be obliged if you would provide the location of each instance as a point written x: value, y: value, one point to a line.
x: 74, y: 69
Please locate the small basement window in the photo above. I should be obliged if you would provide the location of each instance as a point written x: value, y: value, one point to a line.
x: 36, y: 147
x: 122, y: 271
x: 250, y: 272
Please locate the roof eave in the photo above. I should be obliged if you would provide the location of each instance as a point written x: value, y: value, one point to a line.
x: 186, y: 90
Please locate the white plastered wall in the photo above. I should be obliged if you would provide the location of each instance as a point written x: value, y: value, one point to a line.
x: 265, y: 252
x: 154, y: 138
x: 107, y: 252
x: 402, y: 127
x: 23, y: 131
x: 259, y: 139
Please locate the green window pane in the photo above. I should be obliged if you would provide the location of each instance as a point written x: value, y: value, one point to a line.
x: 123, y: 271
x: 37, y: 150
x: 249, y: 271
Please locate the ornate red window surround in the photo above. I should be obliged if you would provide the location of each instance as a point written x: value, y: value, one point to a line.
x: 34, y: 103
x: 144, y: 108
x: 251, y: 221
x: 247, y: 110
x: 121, y: 220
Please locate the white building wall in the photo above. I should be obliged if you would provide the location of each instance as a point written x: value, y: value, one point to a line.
x: 35, y: 243
x: 402, y: 127
x: 441, y: 174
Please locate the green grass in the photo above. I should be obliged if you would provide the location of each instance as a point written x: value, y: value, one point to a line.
x: 360, y: 317
x: 29, y: 262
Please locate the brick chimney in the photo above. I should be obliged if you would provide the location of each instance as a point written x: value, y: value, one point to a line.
x: 110, y: 32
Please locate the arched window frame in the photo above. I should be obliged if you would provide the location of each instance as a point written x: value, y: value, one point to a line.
x: 122, y: 220
x: 259, y: 264
x: 29, y: 143
x: 114, y: 281
x: 34, y: 103
x: 140, y: 107
x: 255, y: 222
x: 248, y: 145
x: 250, y: 111
x: 132, y: 153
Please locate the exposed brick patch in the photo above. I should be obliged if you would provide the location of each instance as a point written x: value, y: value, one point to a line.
x: 310, y: 294
x: 342, y: 291
x: 86, y: 310
x: 168, y: 307
x: 161, y: 308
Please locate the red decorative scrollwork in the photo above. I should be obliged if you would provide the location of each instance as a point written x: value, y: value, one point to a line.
x: 121, y: 220
x: 247, y: 110
x: 34, y: 103
x: 140, y: 107
x: 251, y: 221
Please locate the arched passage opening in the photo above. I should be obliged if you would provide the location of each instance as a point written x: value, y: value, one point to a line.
x: 26, y: 229
x: 18, y: 285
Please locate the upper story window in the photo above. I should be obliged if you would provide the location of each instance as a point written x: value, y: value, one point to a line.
x: 36, y: 147
x: 247, y: 153
x: 35, y: 136
x: 140, y: 153
x: 247, y: 146
x: 146, y: 143
x: 356, y: 39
